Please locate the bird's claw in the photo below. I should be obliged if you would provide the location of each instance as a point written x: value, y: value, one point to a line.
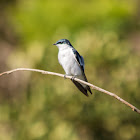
x: 65, y: 76
x: 73, y: 77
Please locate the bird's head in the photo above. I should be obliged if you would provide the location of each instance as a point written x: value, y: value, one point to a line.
x: 63, y: 43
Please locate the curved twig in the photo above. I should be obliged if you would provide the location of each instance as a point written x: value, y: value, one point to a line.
x: 78, y: 80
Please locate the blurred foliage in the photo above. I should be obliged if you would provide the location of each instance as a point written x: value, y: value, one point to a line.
x: 38, y: 107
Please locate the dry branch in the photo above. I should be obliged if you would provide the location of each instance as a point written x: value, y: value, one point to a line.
x: 78, y: 80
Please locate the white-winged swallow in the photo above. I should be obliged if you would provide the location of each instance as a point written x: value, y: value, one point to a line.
x: 72, y: 63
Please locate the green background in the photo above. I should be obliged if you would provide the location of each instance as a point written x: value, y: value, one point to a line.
x: 44, y: 107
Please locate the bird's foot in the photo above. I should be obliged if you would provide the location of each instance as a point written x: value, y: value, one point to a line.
x: 66, y: 75
x: 73, y: 77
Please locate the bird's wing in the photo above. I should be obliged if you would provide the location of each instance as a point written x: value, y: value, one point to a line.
x: 80, y: 60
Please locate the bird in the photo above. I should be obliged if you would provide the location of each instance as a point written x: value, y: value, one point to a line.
x: 72, y: 63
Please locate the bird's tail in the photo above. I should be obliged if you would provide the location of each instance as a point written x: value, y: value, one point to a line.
x: 81, y: 88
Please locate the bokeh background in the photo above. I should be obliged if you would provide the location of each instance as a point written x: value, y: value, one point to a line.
x: 43, y: 107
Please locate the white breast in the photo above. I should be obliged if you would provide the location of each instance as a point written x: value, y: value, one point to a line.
x: 67, y: 59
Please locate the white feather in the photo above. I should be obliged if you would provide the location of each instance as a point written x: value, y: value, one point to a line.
x: 67, y: 59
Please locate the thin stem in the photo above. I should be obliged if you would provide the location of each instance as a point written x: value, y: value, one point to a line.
x: 78, y: 80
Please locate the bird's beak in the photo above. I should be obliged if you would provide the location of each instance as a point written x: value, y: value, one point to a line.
x: 54, y: 44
